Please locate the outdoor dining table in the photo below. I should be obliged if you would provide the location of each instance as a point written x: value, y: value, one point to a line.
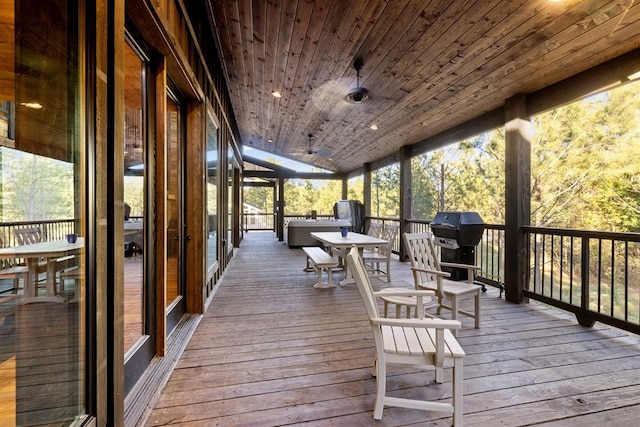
x: 341, y: 245
x: 32, y: 254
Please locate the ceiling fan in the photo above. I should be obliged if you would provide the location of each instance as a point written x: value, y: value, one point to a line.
x: 310, y: 150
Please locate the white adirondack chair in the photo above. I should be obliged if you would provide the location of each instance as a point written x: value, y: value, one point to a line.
x: 428, y: 274
x: 381, y: 255
x: 424, y: 343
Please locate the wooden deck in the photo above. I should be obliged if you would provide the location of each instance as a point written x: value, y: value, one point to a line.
x: 272, y: 351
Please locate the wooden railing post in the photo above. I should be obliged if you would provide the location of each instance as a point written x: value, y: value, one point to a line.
x: 583, y: 318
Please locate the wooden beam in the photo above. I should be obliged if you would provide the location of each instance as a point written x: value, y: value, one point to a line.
x: 596, y: 79
x: 517, y: 196
x: 291, y: 175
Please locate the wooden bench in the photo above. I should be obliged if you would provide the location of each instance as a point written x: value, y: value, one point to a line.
x: 318, y: 259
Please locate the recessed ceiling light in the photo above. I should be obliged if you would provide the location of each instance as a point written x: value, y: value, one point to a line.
x: 374, y: 127
x: 269, y: 140
x: 276, y: 94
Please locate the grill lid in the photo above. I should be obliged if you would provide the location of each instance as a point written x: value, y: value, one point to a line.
x: 465, y: 228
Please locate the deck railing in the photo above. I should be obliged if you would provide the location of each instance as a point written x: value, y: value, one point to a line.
x: 51, y: 230
x: 595, y: 275
x: 259, y: 221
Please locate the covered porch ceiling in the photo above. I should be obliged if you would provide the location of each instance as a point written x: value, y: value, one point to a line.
x: 428, y: 66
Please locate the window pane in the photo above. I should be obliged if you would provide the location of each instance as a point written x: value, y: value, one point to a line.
x: 42, y: 194
x: 134, y: 197
x: 212, y: 191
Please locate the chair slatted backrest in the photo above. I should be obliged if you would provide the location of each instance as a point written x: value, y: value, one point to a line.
x: 28, y: 235
x: 375, y: 229
x: 356, y: 266
x: 390, y: 234
x: 423, y: 254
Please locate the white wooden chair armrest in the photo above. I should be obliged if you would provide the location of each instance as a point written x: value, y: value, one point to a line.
x: 436, y: 272
x: 417, y: 323
x: 404, y: 293
x: 456, y: 265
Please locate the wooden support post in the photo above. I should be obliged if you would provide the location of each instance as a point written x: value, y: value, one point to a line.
x: 406, y: 195
x: 366, y: 193
x: 517, y: 196
x: 280, y: 215
x: 345, y: 187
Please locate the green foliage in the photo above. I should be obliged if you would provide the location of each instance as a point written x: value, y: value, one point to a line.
x: 35, y: 187
x: 260, y: 197
x: 303, y: 196
x: 585, y: 168
x: 385, y: 192
x: 468, y: 176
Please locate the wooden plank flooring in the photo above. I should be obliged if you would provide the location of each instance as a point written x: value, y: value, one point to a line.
x: 272, y: 351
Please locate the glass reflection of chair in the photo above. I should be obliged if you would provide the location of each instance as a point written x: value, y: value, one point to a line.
x: 28, y: 235
x: 31, y: 235
x: 11, y: 269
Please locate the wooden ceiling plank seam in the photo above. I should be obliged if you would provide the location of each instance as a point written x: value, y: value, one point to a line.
x: 271, y: 41
x: 435, y: 96
x: 413, y: 99
x: 235, y: 38
x: 301, y: 21
x: 488, y: 70
x: 265, y: 103
x: 245, y: 17
x: 502, y: 78
x: 245, y: 25
x: 347, y: 29
x: 414, y: 96
x: 264, y: 100
x: 375, y: 37
x: 332, y: 21
x: 622, y: 38
x: 273, y: 49
x: 524, y: 51
x: 342, y: 58
x: 320, y: 12
x: 283, y: 47
x: 418, y: 45
x: 223, y: 32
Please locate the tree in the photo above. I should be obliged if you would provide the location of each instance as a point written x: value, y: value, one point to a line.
x: 35, y: 187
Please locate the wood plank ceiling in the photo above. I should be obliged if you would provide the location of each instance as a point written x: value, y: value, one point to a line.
x: 428, y: 65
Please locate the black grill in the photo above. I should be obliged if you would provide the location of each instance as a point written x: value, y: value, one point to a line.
x: 457, y: 233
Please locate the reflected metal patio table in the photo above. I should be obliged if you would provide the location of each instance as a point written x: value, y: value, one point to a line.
x: 341, y: 245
